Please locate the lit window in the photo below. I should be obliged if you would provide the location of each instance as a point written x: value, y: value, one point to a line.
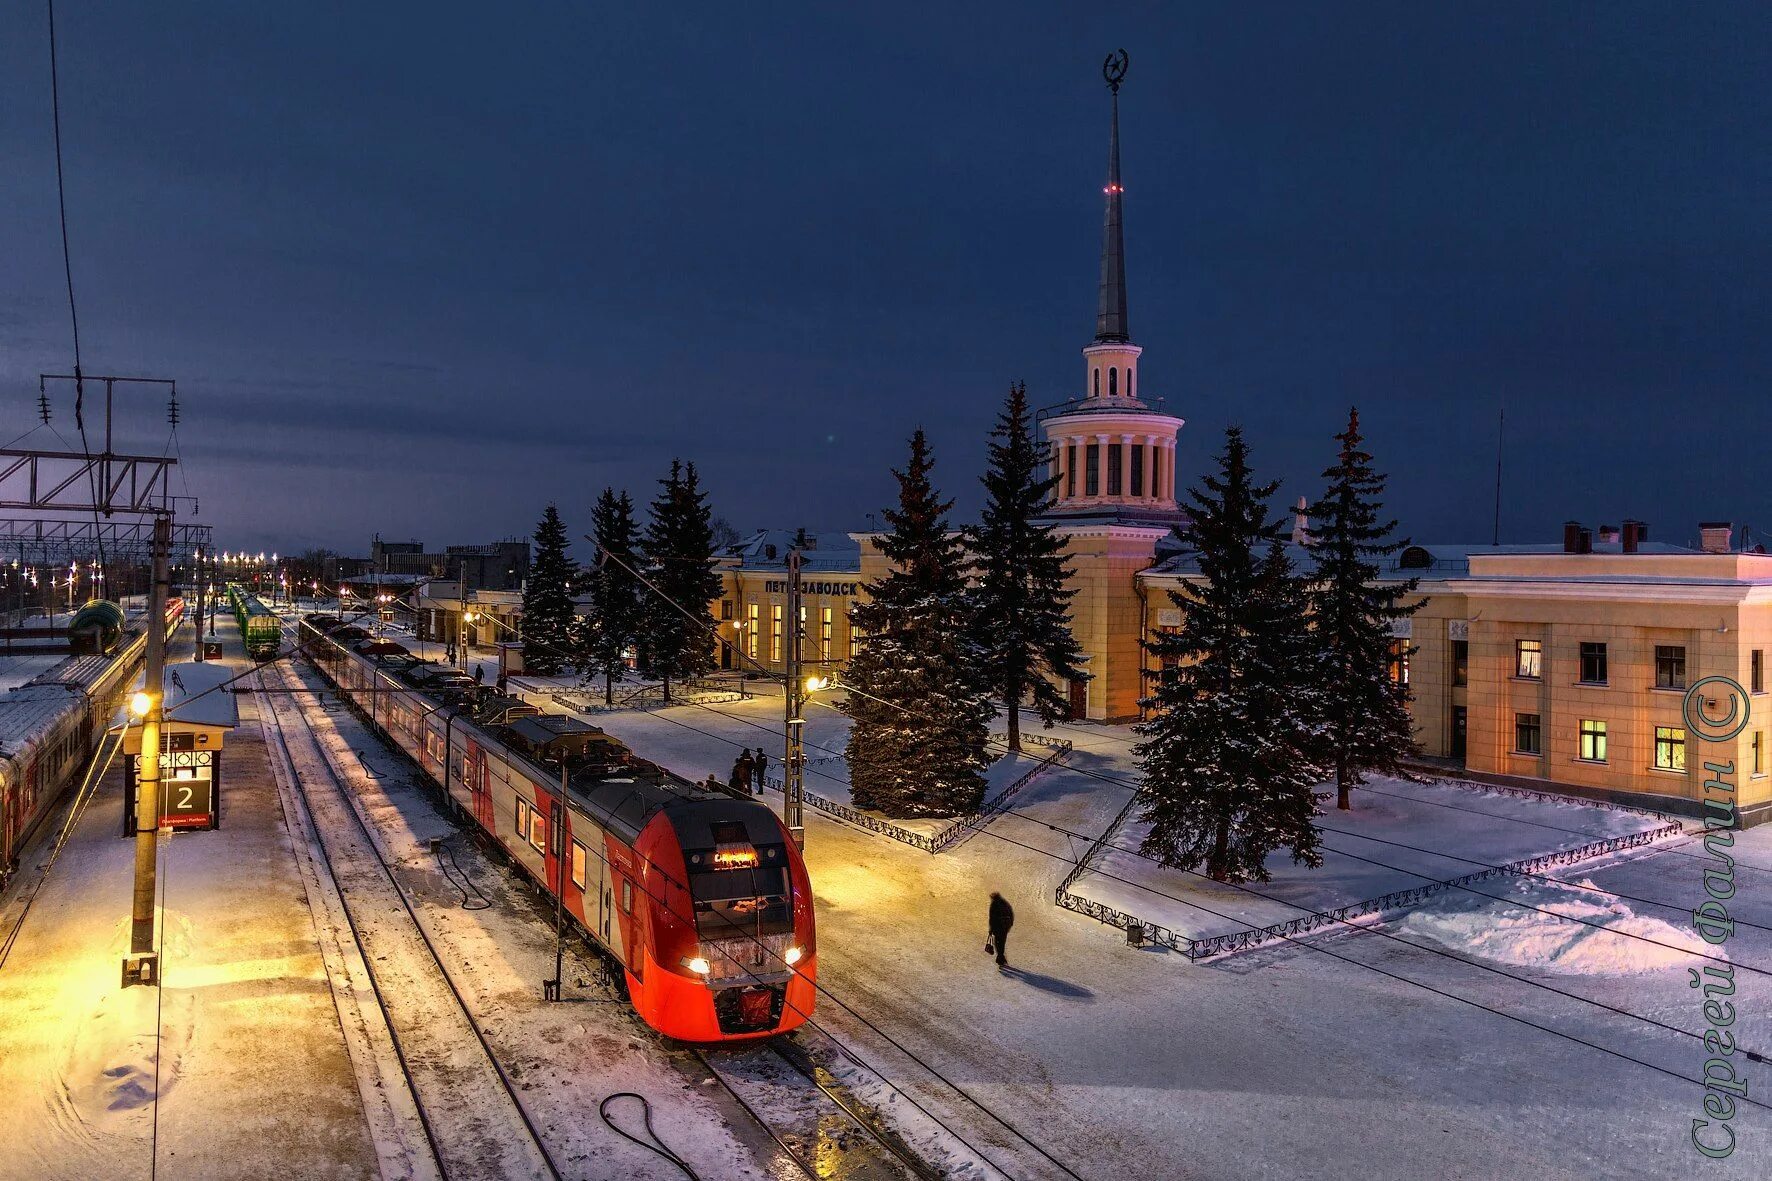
x: 1593, y: 664
x: 1528, y: 658
x: 1670, y: 666
x: 579, y: 859
x: 1593, y: 741
x: 1527, y: 734
x: 775, y: 633
x: 1670, y: 748
x: 1398, y: 665
x: 827, y: 623
x: 750, y: 639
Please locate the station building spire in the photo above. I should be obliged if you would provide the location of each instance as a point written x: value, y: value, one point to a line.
x: 1114, y: 454
x: 1110, y: 308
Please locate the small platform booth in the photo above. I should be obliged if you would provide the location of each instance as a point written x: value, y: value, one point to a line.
x: 200, y: 710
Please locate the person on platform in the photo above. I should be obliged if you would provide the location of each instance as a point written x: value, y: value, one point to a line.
x: 742, y: 768
x: 479, y: 674
x: 1002, y: 917
x: 761, y: 761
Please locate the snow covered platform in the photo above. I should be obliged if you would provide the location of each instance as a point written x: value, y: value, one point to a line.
x: 236, y: 1066
x: 1401, y: 844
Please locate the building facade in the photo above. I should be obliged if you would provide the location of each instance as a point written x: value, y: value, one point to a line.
x: 1568, y: 667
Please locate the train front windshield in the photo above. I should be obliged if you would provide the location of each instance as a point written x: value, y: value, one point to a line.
x: 742, y: 892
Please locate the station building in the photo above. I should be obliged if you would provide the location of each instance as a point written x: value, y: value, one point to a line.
x: 1560, y: 666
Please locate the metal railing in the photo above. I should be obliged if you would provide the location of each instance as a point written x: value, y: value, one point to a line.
x: 1212, y: 945
x: 959, y: 825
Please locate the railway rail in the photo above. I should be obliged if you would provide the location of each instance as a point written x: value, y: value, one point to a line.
x: 474, y: 1123
x: 832, y: 1134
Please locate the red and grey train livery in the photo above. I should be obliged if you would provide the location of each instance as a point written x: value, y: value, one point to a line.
x: 700, y: 895
x: 50, y: 726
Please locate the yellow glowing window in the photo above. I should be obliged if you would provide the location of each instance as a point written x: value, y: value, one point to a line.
x: 735, y: 857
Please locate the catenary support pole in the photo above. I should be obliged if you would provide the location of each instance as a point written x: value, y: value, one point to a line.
x: 793, y: 768
x: 142, y: 966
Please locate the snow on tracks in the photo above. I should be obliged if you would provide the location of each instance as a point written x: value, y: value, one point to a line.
x: 474, y: 1123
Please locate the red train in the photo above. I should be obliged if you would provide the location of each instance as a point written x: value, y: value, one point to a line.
x: 50, y: 726
x: 700, y: 895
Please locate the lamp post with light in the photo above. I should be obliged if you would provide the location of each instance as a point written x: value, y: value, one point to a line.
x: 142, y: 966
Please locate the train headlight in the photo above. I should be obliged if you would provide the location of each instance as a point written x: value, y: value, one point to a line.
x: 699, y: 966
x: 792, y: 956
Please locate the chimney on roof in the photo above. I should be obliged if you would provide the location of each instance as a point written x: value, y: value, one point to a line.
x: 1572, y: 537
x: 1715, y: 537
x: 1301, y: 524
x: 1635, y: 532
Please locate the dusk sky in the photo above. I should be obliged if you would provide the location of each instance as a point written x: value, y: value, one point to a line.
x: 421, y: 269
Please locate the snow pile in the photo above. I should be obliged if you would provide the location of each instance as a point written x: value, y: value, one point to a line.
x: 1506, y: 933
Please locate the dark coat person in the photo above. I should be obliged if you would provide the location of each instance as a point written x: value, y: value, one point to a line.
x: 741, y: 772
x: 1002, y: 918
x: 762, y: 764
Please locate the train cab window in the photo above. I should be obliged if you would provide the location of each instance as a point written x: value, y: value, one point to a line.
x: 741, y: 890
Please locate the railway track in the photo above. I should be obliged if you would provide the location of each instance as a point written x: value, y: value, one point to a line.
x: 450, y: 1109
x: 823, y: 1130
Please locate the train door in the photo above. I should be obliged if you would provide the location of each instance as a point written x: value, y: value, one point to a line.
x: 605, y: 904
x: 626, y: 897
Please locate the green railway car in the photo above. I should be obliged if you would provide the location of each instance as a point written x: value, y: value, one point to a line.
x: 260, y: 628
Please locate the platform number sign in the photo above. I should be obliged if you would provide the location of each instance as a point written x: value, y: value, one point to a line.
x: 187, y: 790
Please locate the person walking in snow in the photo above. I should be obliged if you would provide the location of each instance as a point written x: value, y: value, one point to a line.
x: 741, y: 772
x: 1001, y: 919
x: 761, y: 761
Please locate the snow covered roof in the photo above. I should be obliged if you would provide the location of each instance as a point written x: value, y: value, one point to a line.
x: 195, y: 694
x: 767, y: 549
x: 1439, y: 560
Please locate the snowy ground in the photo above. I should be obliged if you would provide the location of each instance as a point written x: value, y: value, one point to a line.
x: 1327, y: 1058
x: 1394, y: 839
x: 242, y: 1043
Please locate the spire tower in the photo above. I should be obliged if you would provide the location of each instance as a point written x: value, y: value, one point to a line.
x: 1113, y: 453
x: 1110, y: 308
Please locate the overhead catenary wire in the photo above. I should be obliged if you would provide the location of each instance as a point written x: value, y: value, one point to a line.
x: 61, y: 195
x: 823, y: 991
x: 1354, y: 925
x: 1290, y: 939
x: 664, y: 902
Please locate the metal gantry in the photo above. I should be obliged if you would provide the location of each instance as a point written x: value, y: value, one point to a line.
x: 50, y: 541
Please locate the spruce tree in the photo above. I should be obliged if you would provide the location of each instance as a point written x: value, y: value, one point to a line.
x: 1023, y: 597
x: 917, y: 745
x: 1366, y: 715
x: 677, y: 627
x: 614, y: 589
x: 1230, y: 753
x: 547, y: 599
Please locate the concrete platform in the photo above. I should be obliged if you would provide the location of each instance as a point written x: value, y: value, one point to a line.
x: 242, y: 1043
